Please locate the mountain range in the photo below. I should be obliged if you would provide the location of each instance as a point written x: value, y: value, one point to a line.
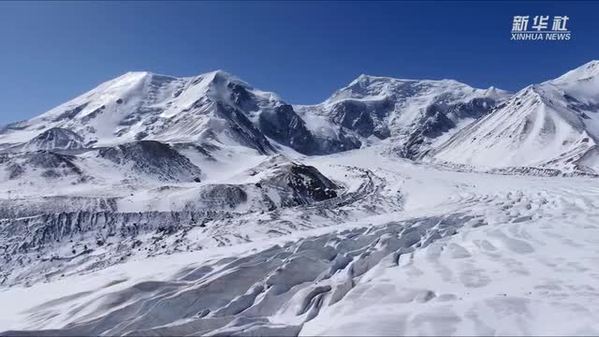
x: 552, y: 125
x: 547, y: 125
x: 157, y: 205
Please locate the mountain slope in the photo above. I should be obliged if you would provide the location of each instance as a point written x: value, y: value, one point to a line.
x: 220, y: 110
x: 412, y: 113
x: 155, y: 205
x: 56, y: 139
x: 468, y: 254
x: 554, y: 124
x: 141, y: 105
x: 213, y: 108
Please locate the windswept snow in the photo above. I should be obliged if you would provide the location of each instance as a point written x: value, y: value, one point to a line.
x: 410, y: 114
x: 467, y: 254
x: 550, y: 125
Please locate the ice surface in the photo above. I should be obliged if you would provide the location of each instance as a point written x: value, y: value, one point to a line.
x: 467, y: 253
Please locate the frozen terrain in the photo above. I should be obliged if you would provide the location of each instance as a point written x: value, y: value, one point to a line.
x: 154, y: 205
x: 466, y: 254
x: 551, y: 125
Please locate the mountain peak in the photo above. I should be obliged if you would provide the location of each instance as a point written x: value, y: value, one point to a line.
x: 366, y: 77
x: 219, y: 73
x: 379, y: 87
x: 218, y: 78
x: 135, y: 76
x: 585, y: 72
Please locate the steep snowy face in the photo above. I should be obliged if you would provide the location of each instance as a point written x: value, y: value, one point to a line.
x: 54, y: 139
x: 411, y: 112
x: 212, y: 108
x: 142, y: 105
x: 153, y: 158
x: 218, y: 109
x: 580, y: 90
x: 553, y: 124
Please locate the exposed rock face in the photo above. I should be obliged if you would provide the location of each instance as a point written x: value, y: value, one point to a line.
x: 54, y: 164
x: 56, y: 139
x: 36, y: 232
x: 49, y: 165
x: 243, y: 130
x: 300, y: 184
x: 310, y: 185
x: 286, y: 127
x: 365, y: 118
x: 413, y: 113
x: 153, y: 158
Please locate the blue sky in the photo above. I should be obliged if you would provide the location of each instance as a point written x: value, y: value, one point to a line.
x: 53, y: 51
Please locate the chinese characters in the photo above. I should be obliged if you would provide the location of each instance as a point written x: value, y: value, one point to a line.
x: 539, y: 28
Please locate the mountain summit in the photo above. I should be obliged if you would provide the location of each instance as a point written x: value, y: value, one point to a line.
x: 412, y: 113
x: 215, y: 108
x: 156, y: 205
x: 219, y: 109
x: 553, y: 124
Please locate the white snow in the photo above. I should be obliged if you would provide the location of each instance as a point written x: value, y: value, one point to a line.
x: 524, y: 258
x: 405, y: 248
x: 552, y: 124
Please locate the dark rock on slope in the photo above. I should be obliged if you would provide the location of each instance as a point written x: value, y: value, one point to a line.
x: 153, y: 158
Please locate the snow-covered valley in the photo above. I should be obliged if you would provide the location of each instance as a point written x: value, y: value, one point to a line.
x: 462, y: 253
x: 153, y: 205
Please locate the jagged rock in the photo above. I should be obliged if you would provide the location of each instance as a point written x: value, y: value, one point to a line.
x: 153, y: 158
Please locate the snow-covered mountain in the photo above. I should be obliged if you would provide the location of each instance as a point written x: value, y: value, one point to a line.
x: 213, y: 108
x: 554, y: 125
x: 155, y: 205
x: 219, y: 109
x: 413, y: 113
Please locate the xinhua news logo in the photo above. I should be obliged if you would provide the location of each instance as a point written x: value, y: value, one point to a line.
x: 541, y: 28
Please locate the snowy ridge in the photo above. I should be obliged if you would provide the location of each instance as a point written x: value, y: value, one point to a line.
x: 55, y: 139
x: 552, y: 125
x: 413, y: 113
x: 215, y: 108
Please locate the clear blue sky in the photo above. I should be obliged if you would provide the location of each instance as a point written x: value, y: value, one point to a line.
x: 52, y: 51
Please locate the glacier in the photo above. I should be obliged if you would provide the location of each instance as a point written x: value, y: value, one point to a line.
x: 155, y: 205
